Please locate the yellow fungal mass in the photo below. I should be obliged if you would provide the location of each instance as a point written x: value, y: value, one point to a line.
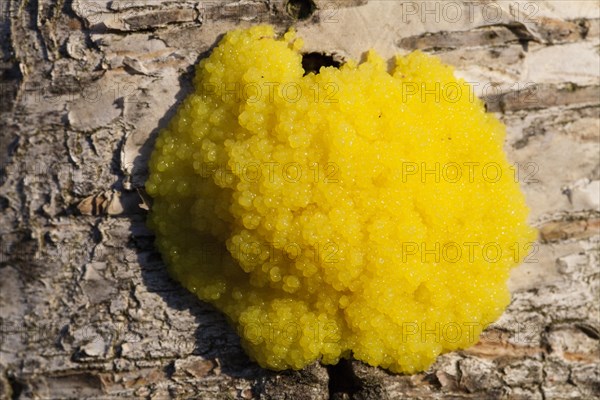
x: 353, y: 212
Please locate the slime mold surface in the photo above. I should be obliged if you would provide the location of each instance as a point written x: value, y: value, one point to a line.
x: 351, y: 212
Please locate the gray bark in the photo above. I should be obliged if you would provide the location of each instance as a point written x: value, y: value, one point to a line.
x: 87, y: 308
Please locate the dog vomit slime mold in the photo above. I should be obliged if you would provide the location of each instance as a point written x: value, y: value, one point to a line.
x: 352, y: 212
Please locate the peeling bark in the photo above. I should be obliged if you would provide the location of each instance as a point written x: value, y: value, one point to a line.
x: 88, y: 310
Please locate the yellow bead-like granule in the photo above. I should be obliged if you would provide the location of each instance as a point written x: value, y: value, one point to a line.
x: 351, y: 212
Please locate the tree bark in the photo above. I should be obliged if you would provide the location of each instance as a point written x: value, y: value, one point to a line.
x: 88, y: 310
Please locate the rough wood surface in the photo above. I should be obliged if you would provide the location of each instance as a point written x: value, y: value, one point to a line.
x: 87, y: 308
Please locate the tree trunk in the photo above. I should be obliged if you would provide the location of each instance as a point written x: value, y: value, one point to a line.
x: 87, y: 307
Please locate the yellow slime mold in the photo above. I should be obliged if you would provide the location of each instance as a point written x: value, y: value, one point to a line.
x: 350, y: 212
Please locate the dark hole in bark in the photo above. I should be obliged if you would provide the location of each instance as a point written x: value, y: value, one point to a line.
x: 16, y: 387
x: 342, y: 379
x: 312, y: 62
x: 300, y: 9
